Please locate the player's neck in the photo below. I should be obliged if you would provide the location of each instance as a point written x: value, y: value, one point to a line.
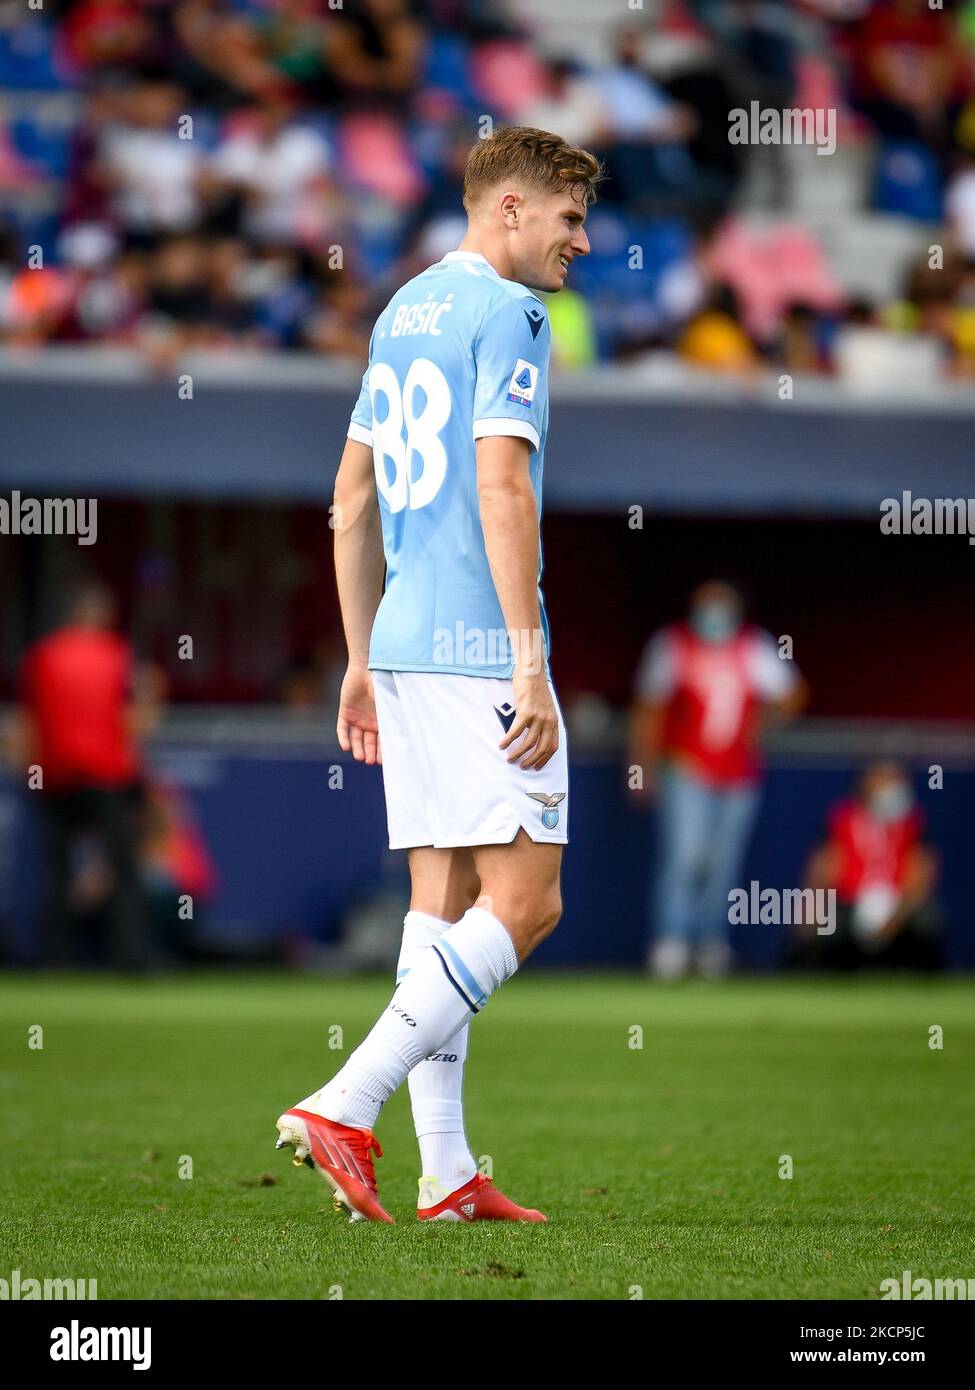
x: 495, y: 255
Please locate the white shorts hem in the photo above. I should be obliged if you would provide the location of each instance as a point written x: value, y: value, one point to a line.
x: 503, y: 837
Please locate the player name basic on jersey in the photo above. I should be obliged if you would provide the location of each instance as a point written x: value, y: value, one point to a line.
x: 420, y: 318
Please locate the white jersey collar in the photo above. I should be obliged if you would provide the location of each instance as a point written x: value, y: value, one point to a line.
x: 470, y: 256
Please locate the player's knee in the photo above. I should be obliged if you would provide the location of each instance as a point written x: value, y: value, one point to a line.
x: 449, y: 901
x: 528, y: 919
x: 547, y: 913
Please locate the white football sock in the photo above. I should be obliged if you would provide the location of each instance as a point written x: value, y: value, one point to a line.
x: 451, y: 980
x: 436, y: 1084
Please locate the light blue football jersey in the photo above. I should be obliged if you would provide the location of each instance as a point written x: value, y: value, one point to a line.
x: 458, y: 353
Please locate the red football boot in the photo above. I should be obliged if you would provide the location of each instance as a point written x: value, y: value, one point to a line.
x: 477, y: 1200
x: 343, y: 1156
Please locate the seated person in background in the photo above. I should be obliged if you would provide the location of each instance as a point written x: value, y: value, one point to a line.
x: 179, y: 877
x: 873, y: 855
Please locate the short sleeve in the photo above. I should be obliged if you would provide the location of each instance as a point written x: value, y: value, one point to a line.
x: 655, y: 673
x: 772, y: 677
x: 360, y: 423
x: 511, y: 353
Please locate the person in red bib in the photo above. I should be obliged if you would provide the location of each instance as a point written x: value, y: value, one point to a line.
x: 874, y: 856
x: 77, y: 733
x: 703, y: 689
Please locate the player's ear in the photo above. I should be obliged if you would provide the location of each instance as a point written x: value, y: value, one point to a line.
x: 509, y: 209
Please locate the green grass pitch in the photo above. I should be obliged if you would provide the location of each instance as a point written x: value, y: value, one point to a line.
x: 658, y: 1166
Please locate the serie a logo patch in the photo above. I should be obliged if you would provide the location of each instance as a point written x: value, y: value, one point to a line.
x: 524, y: 379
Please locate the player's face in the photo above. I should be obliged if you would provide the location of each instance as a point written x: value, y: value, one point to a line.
x: 551, y: 236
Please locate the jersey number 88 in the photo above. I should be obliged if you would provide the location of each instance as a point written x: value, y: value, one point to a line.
x: 422, y: 432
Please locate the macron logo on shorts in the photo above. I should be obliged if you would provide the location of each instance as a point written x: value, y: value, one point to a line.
x: 506, y: 714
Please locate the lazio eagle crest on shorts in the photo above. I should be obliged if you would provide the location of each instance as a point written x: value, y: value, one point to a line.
x: 550, y: 815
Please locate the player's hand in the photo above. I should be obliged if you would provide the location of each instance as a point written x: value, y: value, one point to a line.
x: 534, y: 736
x: 357, y: 727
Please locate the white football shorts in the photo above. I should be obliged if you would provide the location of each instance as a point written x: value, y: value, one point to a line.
x: 447, y: 782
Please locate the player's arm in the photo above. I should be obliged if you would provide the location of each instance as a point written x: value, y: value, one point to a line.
x: 646, y: 723
x: 920, y: 879
x: 794, y: 702
x: 653, y: 687
x: 359, y: 571
x: 821, y: 873
x: 781, y: 687
x: 509, y: 520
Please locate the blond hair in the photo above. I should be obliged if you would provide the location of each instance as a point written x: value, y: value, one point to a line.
x: 530, y: 156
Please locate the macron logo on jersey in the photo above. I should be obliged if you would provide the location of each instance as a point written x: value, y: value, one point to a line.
x: 535, y: 319
x: 524, y: 379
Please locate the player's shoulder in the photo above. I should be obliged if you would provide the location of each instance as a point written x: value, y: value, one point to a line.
x: 512, y: 311
x: 475, y: 296
x: 512, y: 291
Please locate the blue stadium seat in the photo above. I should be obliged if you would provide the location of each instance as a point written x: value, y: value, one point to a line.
x: 448, y: 67
x: 907, y: 181
x: 43, y: 144
x: 27, y: 58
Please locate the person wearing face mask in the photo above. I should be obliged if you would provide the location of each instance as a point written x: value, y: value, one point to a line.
x: 703, y: 690
x: 884, y: 877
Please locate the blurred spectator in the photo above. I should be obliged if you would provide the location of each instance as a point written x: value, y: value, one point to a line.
x: 107, y: 296
x: 907, y: 72
x: 647, y: 162
x: 634, y: 106
x: 178, y: 875
x: 317, y: 125
x: 703, y: 690
x: 151, y: 174
x: 375, y: 55
x: 874, y: 856
x: 801, y: 344
x: 715, y: 339
x: 178, y: 297
x: 106, y: 35
x: 295, y: 39
x: 763, y: 40
x: 36, y: 303
x: 335, y: 326
x: 695, y: 72
x: 572, y: 104
x: 82, y: 712
x: 278, y: 172
x: 219, y: 54
x: 770, y: 269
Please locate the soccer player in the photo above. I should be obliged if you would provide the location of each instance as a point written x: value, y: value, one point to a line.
x: 448, y: 683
